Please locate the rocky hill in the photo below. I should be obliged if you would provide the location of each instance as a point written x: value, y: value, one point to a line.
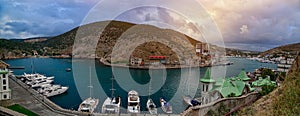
x: 121, y: 37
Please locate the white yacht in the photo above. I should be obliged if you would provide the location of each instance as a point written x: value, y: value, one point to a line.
x: 112, y: 104
x: 133, y: 102
x: 165, y: 106
x: 88, y: 105
x: 29, y: 78
x: 151, y: 107
x: 55, y: 90
x: 39, y: 83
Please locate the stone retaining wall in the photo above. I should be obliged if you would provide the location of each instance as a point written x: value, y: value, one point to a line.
x: 232, y: 104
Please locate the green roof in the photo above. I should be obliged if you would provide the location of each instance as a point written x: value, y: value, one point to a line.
x: 207, y: 77
x: 243, y: 76
x: 3, y: 71
x: 260, y: 82
x: 229, y: 86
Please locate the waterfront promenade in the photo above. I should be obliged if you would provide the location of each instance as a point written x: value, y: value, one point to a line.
x: 39, y: 104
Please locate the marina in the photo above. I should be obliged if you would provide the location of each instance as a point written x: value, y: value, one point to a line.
x: 64, y: 78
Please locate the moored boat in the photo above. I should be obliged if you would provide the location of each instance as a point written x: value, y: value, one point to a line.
x: 55, y: 90
x: 151, y: 107
x: 133, y: 102
x: 112, y: 104
x: 88, y: 105
x: 165, y: 106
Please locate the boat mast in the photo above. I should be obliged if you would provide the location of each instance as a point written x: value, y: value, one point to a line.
x: 188, y: 80
x: 149, y: 89
x: 31, y: 66
x: 112, y: 86
x: 90, y: 86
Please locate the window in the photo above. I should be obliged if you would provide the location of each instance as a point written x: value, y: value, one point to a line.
x: 203, y: 87
x: 4, y: 76
x: 4, y: 81
x: 5, y: 96
x: 206, y: 88
x: 4, y: 88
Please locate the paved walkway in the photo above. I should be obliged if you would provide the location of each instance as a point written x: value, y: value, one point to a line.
x: 25, y: 98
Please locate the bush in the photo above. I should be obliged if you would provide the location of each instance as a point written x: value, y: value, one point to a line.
x: 266, y: 89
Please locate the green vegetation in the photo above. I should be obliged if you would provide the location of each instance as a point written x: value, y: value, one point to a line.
x: 266, y: 89
x: 288, y: 103
x: 20, y: 109
x: 268, y: 72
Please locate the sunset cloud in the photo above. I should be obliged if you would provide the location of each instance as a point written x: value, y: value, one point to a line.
x: 242, y: 23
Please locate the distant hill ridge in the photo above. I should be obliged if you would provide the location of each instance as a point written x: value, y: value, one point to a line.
x: 112, y: 30
x: 292, y: 48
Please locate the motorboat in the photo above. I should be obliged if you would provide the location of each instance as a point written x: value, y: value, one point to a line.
x: 165, y: 106
x: 151, y: 107
x: 133, y: 102
x: 55, y: 90
x: 187, y: 100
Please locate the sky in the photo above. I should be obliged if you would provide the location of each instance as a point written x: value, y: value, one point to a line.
x: 244, y: 24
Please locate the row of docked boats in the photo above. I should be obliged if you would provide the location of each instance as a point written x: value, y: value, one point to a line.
x: 112, y: 105
x: 43, y: 84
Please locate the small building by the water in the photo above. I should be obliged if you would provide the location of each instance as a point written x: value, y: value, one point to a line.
x: 5, y: 92
x: 135, y: 61
x: 158, y: 59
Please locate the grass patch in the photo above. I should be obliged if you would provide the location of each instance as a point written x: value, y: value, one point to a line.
x: 20, y: 109
x: 289, y: 102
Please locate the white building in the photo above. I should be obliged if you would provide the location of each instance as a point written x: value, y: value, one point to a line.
x: 285, y: 64
x: 5, y: 92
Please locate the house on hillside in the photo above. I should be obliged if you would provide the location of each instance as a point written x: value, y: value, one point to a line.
x: 5, y: 92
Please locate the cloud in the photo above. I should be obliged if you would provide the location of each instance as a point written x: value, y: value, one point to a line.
x: 241, y: 22
x: 29, y: 18
x: 244, y: 29
x: 272, y: 22
x: 163, y: 18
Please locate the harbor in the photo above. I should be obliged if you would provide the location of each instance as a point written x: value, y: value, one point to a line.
x: 65, y: 78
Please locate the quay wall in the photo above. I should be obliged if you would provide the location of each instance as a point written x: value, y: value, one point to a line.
x: 232, y: 104
x: 46, y: 102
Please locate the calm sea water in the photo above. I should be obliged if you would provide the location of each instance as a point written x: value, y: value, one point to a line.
x: 171, y: 84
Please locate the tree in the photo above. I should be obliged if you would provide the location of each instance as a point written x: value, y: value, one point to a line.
x: 268, y: 72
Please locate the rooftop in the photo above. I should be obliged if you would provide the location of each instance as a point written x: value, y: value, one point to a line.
x: 207, y: 77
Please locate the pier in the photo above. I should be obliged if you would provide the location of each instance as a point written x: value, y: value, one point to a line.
x: 16, y: 67
x: 32, y: 100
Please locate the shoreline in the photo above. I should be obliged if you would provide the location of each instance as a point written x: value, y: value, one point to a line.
x: 117, y: 65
